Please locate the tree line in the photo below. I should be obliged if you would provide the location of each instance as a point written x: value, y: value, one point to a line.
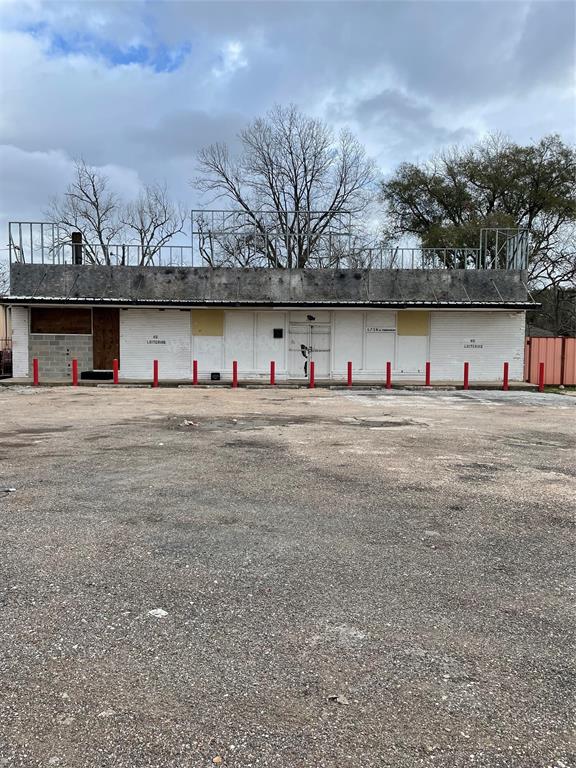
x: 303, y: 195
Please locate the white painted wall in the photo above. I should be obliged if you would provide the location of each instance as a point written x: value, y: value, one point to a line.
x: 484, y: 339
x: 20, y: 326
x: 380, y: 342
x: 367, y: 338
x: 151, y: 334
x: 248, y: 339
x: 348, y: 335
x: 209, y: 352
x: 412, y: 354
x: 239, y: 340
x: 267, y: 347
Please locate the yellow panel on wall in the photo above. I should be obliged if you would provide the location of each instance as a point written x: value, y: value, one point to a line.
x: 413, y: 323
x: 208, y: 322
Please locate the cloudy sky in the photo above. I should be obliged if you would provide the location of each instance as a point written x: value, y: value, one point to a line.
x: 138, y: 86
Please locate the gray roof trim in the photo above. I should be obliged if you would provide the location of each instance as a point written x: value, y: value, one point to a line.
x: 176, y: 303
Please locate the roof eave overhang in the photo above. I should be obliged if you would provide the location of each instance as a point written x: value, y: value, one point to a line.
x: 183, y: 303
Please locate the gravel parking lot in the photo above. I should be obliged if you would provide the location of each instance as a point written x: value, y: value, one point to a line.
x: 286, y: 578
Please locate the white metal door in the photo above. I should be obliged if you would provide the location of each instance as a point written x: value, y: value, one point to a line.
x: 299, y: 350
x: 320, y: 352
x: 412, y: 353
x: 306, y: 343
x: 152, y: 334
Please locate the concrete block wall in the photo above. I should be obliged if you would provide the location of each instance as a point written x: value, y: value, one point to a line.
x: 55, y: 353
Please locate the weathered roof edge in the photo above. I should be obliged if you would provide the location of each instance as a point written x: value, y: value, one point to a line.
x: 235, y: 287
x: 176, y: 303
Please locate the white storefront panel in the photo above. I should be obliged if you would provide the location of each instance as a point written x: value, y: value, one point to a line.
x: 209, y: 352
x: 320, y: 348
x: 412, y: 354
x: 307, y: 343
x: 367, y: 338
x: 239, y: 340
x: 20, y: 323
x: 310, y: 339
x: 379, y: 341
x: 348, y: 341
x: 155, y: 334
x: 270, y: 341
x: 484, y: 339
x: 251, y: 338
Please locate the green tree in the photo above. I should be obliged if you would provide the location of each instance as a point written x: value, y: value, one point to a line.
x: 494, y: 183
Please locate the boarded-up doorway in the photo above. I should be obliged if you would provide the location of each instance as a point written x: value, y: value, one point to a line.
x: 105, y: 338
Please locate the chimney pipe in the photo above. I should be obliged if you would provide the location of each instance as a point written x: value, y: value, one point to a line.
x: 76, y: 247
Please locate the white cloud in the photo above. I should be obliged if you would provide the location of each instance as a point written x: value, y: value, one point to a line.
x: 30, y: 179
x: 406, y: 77
x: 231, y: 59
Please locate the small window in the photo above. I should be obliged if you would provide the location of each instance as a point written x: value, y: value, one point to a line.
x: 60, y: 320
x: 278, y: 333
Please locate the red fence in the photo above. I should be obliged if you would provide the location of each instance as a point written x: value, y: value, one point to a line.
x: 558, y: 356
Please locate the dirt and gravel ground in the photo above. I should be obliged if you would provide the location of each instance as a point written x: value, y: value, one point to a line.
x: 286, y: 578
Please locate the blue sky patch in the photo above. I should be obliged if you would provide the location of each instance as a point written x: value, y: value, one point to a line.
x: 160, y: 58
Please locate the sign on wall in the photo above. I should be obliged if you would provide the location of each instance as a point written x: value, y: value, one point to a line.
x: 155, y: 340
x: 473, y: 344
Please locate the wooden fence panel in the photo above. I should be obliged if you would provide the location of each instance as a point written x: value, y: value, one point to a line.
x: 570, y: 363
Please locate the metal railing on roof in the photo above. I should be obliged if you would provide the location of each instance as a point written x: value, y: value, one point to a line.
x: 48, y: 243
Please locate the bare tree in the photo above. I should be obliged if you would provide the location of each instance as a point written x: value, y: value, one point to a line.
x: 4, y: 278
x: 91, y: 208
x: 552, y: 277
x: 110, y: 228
x: 153, y: 220
x: 554, y: 266
x: 294, y: 182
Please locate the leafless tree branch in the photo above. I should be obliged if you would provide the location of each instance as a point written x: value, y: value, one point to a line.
x: 293, y: 181
x: 152, y: 220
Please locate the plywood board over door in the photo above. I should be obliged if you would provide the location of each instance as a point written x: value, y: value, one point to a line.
x: 105, y: 337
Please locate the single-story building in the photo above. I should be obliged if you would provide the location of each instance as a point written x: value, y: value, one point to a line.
x: 175, y: 315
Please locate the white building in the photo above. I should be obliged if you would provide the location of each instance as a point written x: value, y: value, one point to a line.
x: 215, y: 337
x: 215, y: 316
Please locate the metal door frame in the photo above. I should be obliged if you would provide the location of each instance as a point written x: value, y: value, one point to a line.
x: 308, y: 326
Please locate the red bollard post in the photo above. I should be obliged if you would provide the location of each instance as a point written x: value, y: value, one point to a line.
x: 272, y: 372
x: 194, y: 371
x: 505, y: 378
x: 427, y: 374
x: 155, y: 380
x: 74, y: 373
x: 388, y: 375
x: 466, y: 374
x: 115, y: 371
x: 541, y: 378
x: 35, y: 374
x: 312, y: 382
x: 234, y: 374
x: 349, y: 373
